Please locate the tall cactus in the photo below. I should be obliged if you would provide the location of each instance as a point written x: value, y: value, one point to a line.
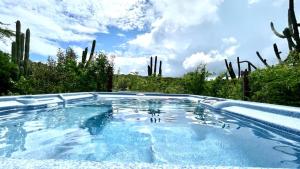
x: 14, y: 52
x: 20, y: 49
x: 27, y: 48
x: 18, y: 41
x: 155, y: 63
x: 291, y: 33
x: 22, y: 41
x: 92, y: 53
x: 152, y: 70
x: 160, y: 68
x: 84, y: 55
x: 151, y: 65
x: 230, y: 69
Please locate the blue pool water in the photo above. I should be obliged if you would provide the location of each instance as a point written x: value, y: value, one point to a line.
x: 172, y: 131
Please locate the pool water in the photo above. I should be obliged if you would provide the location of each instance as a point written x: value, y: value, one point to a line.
x: 161, y: 131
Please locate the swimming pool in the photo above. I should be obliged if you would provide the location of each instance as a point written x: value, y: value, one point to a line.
x: 154, y: 130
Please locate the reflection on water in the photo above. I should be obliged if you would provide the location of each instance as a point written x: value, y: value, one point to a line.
x: 96, y: 123
x: 145, y: 130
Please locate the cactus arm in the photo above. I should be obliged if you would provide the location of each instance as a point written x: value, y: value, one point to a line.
x: 277, y: 53
x: 275, y: 32
x: 149, y: 71
x: 233, y: 76
x: 291, y: 43
x: 155, y: 64
x: 230, y: 69
x: 262, y: 60
x: 290, y: 21
x: 92, y: 53
x: 22, y: 41
x: 13, y: 52
x: 160, y: 69
x: 151, y: 65
x: 239, y: 66
x: 84, y: 55
x: 293, y: 19
x: 18, y: 39
x: 27, y: 48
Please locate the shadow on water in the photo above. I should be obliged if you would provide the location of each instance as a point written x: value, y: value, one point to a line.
x: 96, y: 123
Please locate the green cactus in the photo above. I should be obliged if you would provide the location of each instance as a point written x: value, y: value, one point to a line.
x: 84, y: 55
x: 277, y: 53
x: 230, y: 69
x: 155, y: 63
x: 13, y: 52
x: 27, y: 48
x: 18, y: 41
x: 160, y: 69
x: 152, y: 70
x: 264, y: 61
x: 22, y: 41
x: 20, y: 49
x: 149, y: 71
x: 291, y: 33
x: 151, y: 65
x: 92, y: 53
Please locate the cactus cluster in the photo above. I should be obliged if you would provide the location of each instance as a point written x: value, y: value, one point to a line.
x: 291, y: 32
x: 20, y: 49
x: 84, y: 62
x: 152, y: 70
x: 240, y: 74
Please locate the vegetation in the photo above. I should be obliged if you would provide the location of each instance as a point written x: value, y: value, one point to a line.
x: 278, y: 84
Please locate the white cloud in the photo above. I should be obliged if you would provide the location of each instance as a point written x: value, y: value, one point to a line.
x: 173, y: 33
x: 231, y: 51
x: 274, y: 2
x: 52, y: 22
x: 78, y: 50
x: 229, y: 40
x: 131, y: 64
x: 201, y: 58
x: 253, y: 1
x: 121, y: 35
x: 212, y: 56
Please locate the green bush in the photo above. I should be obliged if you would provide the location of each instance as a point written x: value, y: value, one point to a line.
x: 8, y: 74
x: 223, y: 88
x: 279, y: 85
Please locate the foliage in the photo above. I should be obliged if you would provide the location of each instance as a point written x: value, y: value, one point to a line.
x: 280, y: 85
x: 221, y: 87
x: 8, y: 73
x: 4, y: 32
x: 65, y: 75
x: 194, y: 82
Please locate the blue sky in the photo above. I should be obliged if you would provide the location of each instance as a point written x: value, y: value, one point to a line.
x: 182, y: 33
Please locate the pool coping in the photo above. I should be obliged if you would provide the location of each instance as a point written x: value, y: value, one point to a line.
x: 27, y: 102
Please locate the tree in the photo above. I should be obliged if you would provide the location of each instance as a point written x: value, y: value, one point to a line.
x: 194, y: 82
x: 4, y: 32
x: 8, y: 73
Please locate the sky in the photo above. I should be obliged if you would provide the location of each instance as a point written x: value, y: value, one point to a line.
x: 182, y: 33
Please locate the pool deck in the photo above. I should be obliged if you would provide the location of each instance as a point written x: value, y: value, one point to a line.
x: 8, y: 163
